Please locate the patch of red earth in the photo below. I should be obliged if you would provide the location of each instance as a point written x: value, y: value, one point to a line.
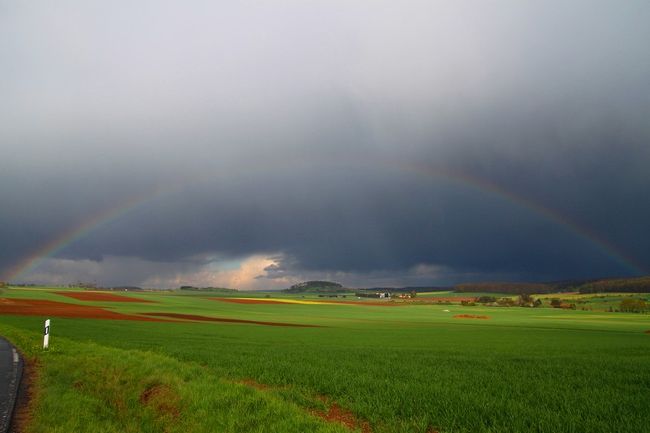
x: 162, y: 399
x: 250, y: 301
x: 40, y: 307
x: 223, y: 319
x: 470, y: 316
x: 334, y: 413
x: 101, y: 296
x: 648, y: 331
x: 337, y: 414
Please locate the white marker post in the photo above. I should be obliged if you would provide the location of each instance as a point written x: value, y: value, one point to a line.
x: 46, y: 334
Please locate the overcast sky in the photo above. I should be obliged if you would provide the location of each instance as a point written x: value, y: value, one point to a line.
x: 255, y: 144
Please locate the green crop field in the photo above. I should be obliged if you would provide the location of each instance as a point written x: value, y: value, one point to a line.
x: 358, y: 367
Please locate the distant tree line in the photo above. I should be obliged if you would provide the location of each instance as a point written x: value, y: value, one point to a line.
x: 513, y: 288
x: 523, y: 300
x: 634, y: 306
x: 410, y: 289
x: 616, y: 285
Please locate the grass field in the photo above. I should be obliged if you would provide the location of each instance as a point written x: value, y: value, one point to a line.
x: 363, y: 367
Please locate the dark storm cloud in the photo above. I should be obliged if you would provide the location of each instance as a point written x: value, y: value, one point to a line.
x: 288, y: 131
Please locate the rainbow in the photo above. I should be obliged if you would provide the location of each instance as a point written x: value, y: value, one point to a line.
x: 483, y: 185
x: 68, y: 237
x: 60, y: 242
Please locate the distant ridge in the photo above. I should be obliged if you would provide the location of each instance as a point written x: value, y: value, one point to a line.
x: 620, y: 285
x: 408, y: 289
x: 316, y: 287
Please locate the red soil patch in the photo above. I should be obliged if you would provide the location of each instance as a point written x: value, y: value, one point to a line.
x: 100, y: 296
x: 162, y: 399
x: 250, y: 301
x: 39, y: 307
x: 470, y: 316
x: 336, y: 413
x: 648, y: 331
x: 222, y: 319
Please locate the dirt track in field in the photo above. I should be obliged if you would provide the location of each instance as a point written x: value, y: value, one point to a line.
x: 337, y: 414
x: 333, y: 413
x: 227, y: 320
x: 39, y: 307
x: 101, y: 296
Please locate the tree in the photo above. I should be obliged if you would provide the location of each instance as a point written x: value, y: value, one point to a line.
x: 633, y: 306
x: 486, y: 299
x: 556, y: 303
x: 506, y: 302
x: 526, y: 300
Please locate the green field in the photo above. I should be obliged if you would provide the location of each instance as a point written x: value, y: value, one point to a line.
x: 408, y: 368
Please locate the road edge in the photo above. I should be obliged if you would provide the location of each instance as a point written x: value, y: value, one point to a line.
x: 14, y: 385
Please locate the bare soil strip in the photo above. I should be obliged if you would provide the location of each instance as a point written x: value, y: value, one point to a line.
x: 163, y: 400
x: 334, y: 413
x: 337, y: 414
x: 223, y: 319
x: 470, y: 316
x: 101, y: 296
x: 43, y: 308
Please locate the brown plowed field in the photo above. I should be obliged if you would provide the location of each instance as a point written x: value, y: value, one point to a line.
x: 470, y: 316
x: 223, y: 319
x: 39, y: 307
x: 100, y: 296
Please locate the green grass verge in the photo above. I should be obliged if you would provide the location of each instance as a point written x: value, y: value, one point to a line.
x: 86, y: 387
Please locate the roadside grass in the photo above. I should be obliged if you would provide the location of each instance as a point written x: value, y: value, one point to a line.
x: 86, y: 387
x: 411, y: 369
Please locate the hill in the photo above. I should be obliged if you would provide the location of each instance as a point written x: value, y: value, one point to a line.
x: 621, y: 285
x: 316, y: 287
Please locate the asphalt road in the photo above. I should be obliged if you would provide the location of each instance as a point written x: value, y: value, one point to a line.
x: 10, y: 371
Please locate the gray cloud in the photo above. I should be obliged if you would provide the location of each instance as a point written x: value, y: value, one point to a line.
x: 292, y: 131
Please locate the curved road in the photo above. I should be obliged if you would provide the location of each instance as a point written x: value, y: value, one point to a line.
x: 11, y: 367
